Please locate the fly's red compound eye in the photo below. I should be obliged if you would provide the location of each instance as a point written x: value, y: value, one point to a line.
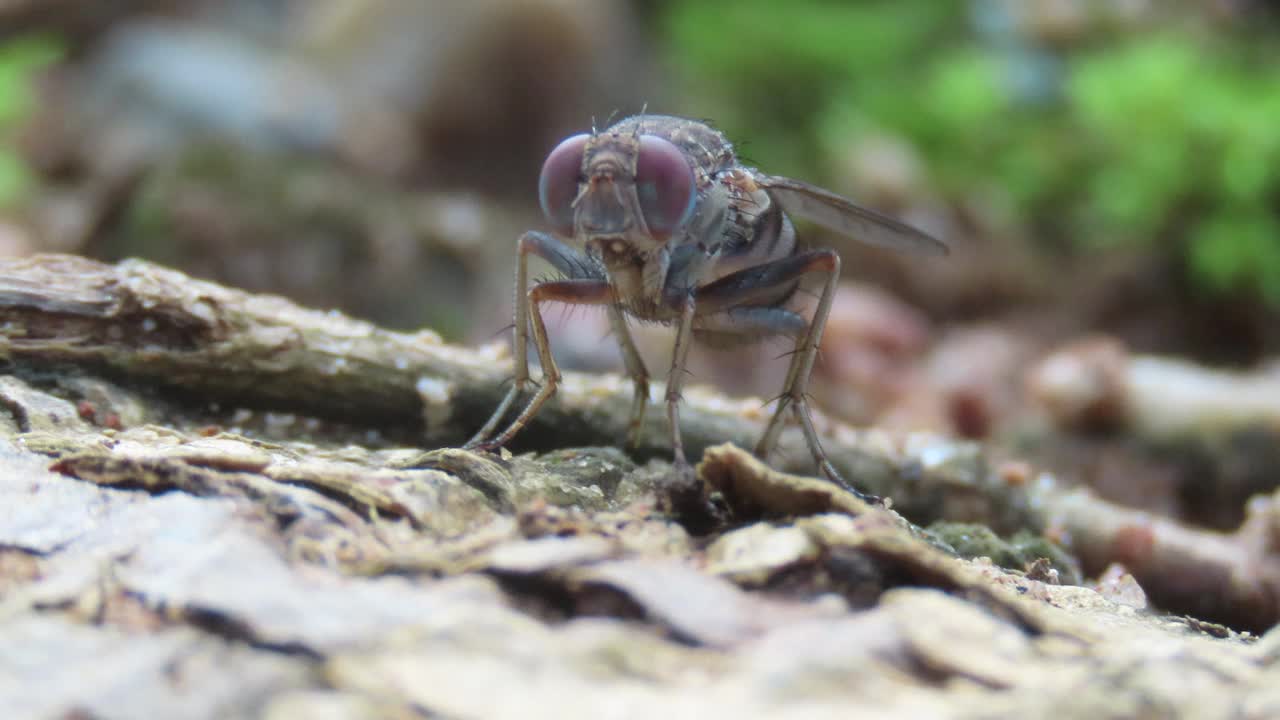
x: 558, y: 183
x: 664, y: 185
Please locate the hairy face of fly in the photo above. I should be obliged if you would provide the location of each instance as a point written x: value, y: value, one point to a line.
x: 608, y: 215
x: 622, y: 196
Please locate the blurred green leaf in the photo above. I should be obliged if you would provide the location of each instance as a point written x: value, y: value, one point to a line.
x: 19, y: 60
x: 1164, y: 138
x: 773, y: 69
x: 964, y: 93
x: 14, y: 177
x: 1239, y: 249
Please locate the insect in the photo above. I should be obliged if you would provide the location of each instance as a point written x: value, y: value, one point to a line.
x: 655, y: 218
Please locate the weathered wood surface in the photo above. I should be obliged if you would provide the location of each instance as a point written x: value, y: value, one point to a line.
x: 214, y: 504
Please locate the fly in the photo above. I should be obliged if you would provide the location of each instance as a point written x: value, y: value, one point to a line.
x: 655, y: 218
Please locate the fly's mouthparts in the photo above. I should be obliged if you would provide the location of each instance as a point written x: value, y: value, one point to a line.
x: 612, y: 246
x: 605, y: 171
x: 616, y: 246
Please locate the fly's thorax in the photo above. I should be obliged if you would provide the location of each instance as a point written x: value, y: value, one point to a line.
x: 708, y: 222
x: 737, y: 225
x: 707, y: 150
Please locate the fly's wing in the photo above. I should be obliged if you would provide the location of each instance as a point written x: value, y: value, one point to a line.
x: 837, y: 214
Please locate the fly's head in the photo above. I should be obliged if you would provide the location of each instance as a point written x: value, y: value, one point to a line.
x: 622, y: 195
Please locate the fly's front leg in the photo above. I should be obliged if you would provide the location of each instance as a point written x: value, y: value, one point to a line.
x: 570, y: 263
x: 572, y: 292
x: 526, y: 245
x: 636, y: 369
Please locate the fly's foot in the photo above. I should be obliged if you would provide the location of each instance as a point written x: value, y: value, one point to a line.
x: 487, y: 446
x: 632, y: 441
x: 830, y: 473
x: 684, y: 495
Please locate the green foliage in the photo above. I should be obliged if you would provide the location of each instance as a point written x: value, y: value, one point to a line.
x: 1164, y: 139
x: 772, y: 70
x: 19, y: 60
x: 1230, y: 248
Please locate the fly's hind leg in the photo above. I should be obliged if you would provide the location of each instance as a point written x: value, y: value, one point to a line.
x: 741, y: 288
x: 635, y: 368
x: 795, y: 389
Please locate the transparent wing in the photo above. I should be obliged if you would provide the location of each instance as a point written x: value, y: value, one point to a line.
x: 835, y: 213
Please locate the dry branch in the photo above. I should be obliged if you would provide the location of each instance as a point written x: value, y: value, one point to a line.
x: 146, y: 326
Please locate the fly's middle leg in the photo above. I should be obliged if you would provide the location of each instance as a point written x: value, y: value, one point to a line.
x: 635, y: 368
x: 679, y: 355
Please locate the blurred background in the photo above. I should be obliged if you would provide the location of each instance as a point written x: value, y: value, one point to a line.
x: 1106, y: 171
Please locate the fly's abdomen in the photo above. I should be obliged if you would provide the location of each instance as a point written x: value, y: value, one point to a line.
x: 755, y: 230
